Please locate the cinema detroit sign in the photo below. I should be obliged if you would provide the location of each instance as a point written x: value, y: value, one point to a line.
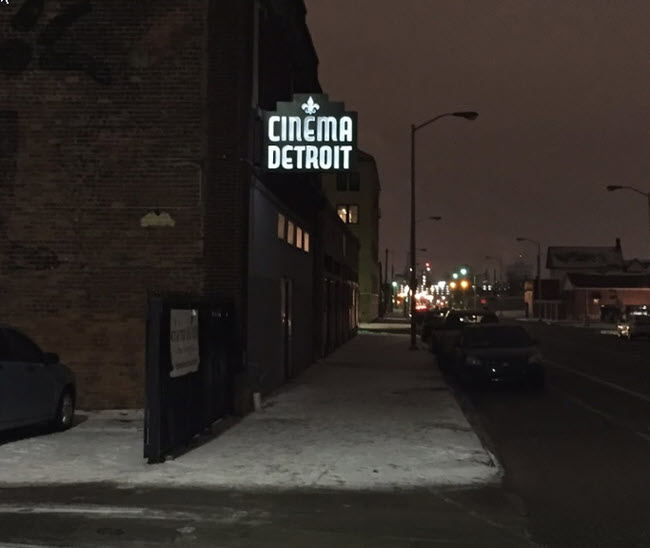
x: 310, y: 134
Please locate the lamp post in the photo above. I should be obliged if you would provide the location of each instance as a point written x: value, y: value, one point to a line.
x: 539, y: 279
x: 612, y: 188
x: 468, y: 116
x: 410, y: 265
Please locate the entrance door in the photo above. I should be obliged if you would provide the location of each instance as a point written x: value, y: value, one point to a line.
x: 286, y: 316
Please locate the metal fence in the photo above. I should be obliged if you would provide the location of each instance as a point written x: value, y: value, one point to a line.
x: 192, y: 354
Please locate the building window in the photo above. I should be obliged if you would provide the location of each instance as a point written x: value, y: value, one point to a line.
x: 353, y: 216
x: 299, y: 237
x: 341, y: 182
x: 355, y: 182
x: 281, y: 226
x: 305, y: 242
x: 349, y: 213
x: 290, y: 233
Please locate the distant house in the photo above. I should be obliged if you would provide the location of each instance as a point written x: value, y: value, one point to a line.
x: 586, y: 293
x: 562, y: 260
x: 591, y: 277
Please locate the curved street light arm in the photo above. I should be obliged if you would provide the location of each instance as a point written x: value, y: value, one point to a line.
x: 611, y: 188
x: 415, y: 128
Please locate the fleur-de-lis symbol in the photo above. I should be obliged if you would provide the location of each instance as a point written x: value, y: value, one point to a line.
x: 310, y: 107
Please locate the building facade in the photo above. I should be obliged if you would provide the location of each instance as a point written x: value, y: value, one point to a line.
x: 587, y: 294
x: 356, y: 199
x: 127, y: 152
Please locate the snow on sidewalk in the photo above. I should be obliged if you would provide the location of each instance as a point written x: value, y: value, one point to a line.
x: 372, y: 415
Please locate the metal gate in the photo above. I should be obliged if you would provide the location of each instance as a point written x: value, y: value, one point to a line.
x: 181, y: 404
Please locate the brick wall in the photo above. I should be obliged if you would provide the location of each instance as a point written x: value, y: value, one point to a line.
x: 96, y: 160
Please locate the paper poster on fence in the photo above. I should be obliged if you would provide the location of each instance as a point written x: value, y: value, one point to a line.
x: 184, y: 342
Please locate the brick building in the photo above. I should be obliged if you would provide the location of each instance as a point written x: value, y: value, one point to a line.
x: 587, y: 293
x: 126, y: 168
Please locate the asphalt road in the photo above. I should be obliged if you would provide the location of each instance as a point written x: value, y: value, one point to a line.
x: 577, y: 455
x: 103, y: 516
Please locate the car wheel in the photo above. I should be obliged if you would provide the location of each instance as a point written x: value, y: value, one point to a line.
x: 65, y: 410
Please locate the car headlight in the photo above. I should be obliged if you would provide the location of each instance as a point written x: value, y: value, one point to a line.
x: 471, y: 360
x: 535, y: 359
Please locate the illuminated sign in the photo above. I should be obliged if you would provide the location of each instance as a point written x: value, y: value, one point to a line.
x: 310, y: 134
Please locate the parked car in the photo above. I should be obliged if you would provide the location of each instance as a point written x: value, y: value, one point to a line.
x: 432, y: 319
x: 498, y: 353
x: 34, y: 386
x: 634, y: 326
x: 445, y: 336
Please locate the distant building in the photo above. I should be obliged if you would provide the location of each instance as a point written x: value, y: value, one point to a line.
x: 356, y: 198
x: 587, y: 293
x: 597, y: 281
x: 562, y: 260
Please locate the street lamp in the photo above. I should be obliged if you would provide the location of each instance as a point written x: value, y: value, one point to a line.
x: 612, y: 188
x: 539, y: 279
x: 468, y: 115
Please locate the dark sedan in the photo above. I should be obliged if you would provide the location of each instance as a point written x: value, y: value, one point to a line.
x: 34, y: 386
x: 495, y: 353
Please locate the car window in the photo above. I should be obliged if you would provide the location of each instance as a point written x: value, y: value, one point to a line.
x: 22, y: 349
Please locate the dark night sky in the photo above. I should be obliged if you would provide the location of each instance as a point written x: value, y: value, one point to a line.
x: 562, y: 88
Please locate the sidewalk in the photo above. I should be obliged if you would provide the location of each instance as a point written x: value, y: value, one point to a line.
x: 373, y: 415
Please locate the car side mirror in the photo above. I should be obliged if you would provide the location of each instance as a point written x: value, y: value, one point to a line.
x: 50, y: 358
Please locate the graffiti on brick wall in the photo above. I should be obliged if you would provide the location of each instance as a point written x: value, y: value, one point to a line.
x: 53, y: 54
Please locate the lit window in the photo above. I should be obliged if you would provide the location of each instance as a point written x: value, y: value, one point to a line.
x: 299, y: 237
x: 305, y: 241
x: 290, y: 232
x: 349, y: 213
x: 281, y: 226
